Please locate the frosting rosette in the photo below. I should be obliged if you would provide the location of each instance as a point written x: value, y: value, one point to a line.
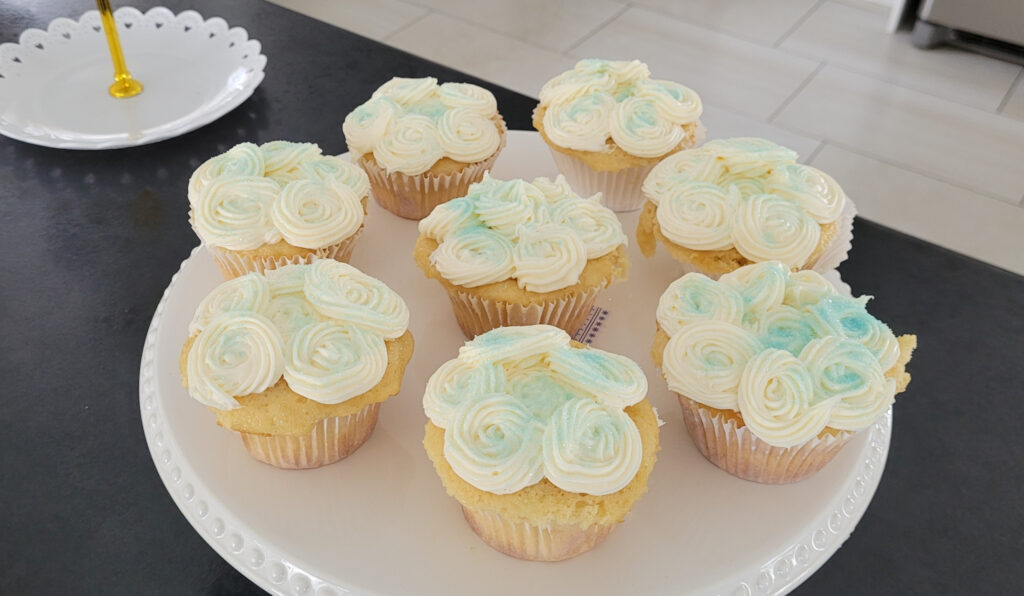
x: 234, y: 213
x: 249, y: 293
x: 408, y: 125
x: 242, y: 160
x: 600, y: 101
x: 777, y: 207
x: 700, y: 215
x: 520, y: 404
x: 591, y: 448
x: 785, y: 350
x: 697, y: 297
x: 705, y: 361
x: 495, y: 444
x: 311, y: 214
x: 341, y: 291
x: 322, y: 327
x: 548, y: 257
x: 251, y: 196
x: 776, y: 400
x: 237, y: 354
x: 330, y: 362
x: 541, y: 234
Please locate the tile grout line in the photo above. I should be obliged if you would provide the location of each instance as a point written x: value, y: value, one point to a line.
x: 803, y: 84
x: 915, y: 170
x: 799, y: 23
x: 704, y: 26
x: 1009, y: 92
x: 387, y: 38
x: 817, y: 150
x: 599, y: 27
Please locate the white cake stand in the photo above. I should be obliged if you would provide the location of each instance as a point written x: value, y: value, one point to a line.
x: 379, y: 522
x: 53, y: 83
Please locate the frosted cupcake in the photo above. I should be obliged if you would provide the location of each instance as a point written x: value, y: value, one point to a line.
x: 422, y: 143
x: 733, y: 202
x: 608, y: 123
x: 279, y: 203
x: 775, y: 371
x: 298, y: 361
x: 521, y: 253
x: 545, y: 443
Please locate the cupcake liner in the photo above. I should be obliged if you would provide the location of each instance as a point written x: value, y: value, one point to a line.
x: 478, y: 315
x: 549, y: 542
x: 620, y: 190
x: 414, y: 197
x: 736, y: 450
x: 233, y: 264
x: 837, y: 251
x: 331, y: 440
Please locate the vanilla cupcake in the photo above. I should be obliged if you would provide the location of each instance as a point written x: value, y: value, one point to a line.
x: 521, y: 253
x: 422, y: 143
x: 546, y: 444
x: 298, y: 361
x: 733, y: 202
x: 280, y: 203
x: 608, y: 123
x: 775, y: 371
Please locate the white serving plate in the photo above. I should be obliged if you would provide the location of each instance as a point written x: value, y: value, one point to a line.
x: 379, y: 522
x: 53, y: 83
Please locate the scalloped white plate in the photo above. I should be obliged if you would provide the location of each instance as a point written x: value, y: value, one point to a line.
x: 53, y: 83
x: 379, y: 522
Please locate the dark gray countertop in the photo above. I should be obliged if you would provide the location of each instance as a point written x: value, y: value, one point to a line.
x: 89, y: 241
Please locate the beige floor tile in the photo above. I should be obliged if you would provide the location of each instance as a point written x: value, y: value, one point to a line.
x: 736, y: 74
x: 855, y: 38
x: 947, y: 215
x: 958, y: 144
x: 488, y: 55
x: 375, y: 19
x: 552, y: 24
x: 1014, y: 107
x: 765, y: 21
x: 723, y: 123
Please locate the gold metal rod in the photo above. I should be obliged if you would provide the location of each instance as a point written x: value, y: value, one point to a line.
x: 124, y: 85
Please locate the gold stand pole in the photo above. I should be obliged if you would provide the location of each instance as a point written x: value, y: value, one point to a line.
x: 124, y: 85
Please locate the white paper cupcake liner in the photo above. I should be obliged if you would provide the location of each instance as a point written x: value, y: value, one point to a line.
x: 534, y: 542
x: 620, y: 191
x: 414, y: 197
x: 233, y: 264
x: 739, y: 452
x: 478, y: 315
x: 331, y: 440
x: 839, y: 249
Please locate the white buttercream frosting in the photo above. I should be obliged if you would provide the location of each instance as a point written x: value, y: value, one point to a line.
x: 254, y: 195
x: 520, y: 404
x: 744, y: 193
x: 410, y: 124
x: 322, y: 327
x: 541, y: 234
x: 600, y: 104
x: 783, y: 349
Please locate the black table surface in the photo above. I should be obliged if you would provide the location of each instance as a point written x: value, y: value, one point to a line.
x: 90, y: 239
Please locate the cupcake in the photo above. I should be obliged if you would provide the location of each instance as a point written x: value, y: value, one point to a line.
x: 546, y: 443
x: 259, y: 207
x: 733, y: 202
x: 775, y: 371
x: 298, y: 360
x: 422, y: 143
x: 522, y: 253
x: 608, y: 123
